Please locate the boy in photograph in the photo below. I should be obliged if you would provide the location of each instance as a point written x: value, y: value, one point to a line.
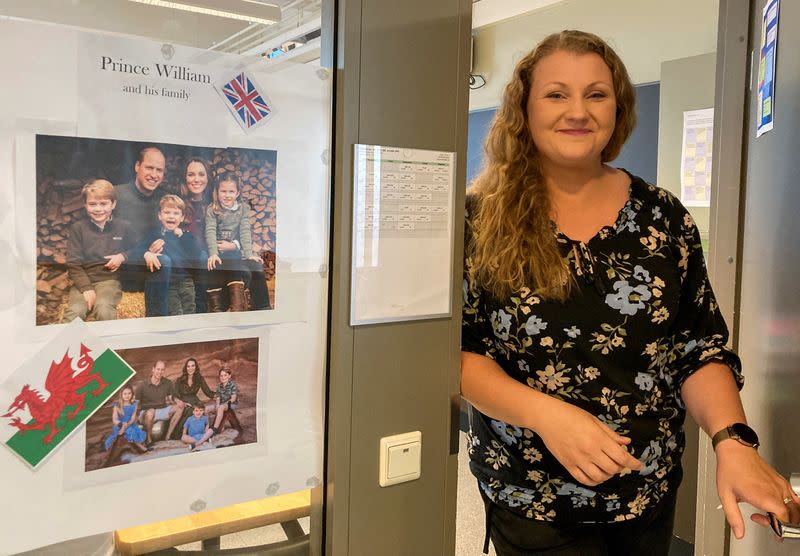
x: 196, y: 430
x: 181, y: 248
x: 97, y: 246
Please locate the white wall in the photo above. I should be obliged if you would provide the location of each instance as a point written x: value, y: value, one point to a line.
x: 677, y: 97
x: 643, y: 32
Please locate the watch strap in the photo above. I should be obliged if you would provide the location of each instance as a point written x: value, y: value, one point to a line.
x: 730, y: 432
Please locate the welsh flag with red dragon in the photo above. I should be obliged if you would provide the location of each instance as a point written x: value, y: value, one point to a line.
x: 44, y: 408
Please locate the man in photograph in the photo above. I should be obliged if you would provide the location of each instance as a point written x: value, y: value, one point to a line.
x: 137, y: 200
x: 137, y: 203
x: 156, y: 396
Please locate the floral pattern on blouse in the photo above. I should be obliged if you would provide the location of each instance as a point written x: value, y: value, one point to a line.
x: 641, y: 320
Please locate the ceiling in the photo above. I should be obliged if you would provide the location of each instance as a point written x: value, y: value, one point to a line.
x: 487, y: 12
x: 211, y: 32
x: 165, y: 24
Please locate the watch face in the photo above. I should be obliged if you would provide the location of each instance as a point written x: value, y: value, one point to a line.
x: 745, y: 433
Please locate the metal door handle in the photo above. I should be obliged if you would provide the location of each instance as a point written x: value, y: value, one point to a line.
x: 787, y: 530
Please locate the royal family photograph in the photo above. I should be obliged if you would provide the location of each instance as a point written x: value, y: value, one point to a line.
x: 131, y: 230
x: 183, y: 399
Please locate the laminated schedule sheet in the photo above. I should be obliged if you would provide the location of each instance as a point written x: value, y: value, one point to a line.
x: 402, y: 234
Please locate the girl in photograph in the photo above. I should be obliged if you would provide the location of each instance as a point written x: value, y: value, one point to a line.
x: 231, y: 261
x: 123, y: 417
x: 197, y: 196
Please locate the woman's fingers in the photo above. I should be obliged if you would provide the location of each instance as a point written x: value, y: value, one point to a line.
x: 622, y: 457
x: 608, y: 465
x: 616, y: 450
x: 578, y: 474
x: 597, y: 475
x: 732, y: 513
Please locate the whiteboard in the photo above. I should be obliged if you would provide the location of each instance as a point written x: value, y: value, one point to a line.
x: 402, y: 247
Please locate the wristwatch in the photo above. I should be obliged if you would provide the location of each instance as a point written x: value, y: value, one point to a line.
x: 739, y: 432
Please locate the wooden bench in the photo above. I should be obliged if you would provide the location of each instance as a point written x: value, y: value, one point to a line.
x: 209, y: 526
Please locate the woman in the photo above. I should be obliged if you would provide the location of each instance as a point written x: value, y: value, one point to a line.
x: 197, y: 196
x: 589, y: 326
x: 190, y: 383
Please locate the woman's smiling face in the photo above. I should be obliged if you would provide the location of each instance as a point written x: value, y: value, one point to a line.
x: 572, y: 108
x: 196, y: 179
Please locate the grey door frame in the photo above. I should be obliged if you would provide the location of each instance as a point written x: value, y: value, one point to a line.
x: 392, y: 378
x: 712, y: 535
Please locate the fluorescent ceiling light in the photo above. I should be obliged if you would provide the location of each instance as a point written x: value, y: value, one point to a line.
x: 253, y: 11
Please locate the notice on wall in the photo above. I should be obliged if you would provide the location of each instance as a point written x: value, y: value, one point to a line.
x: 154, y: 130
x: 765, y: 103
x: 698, y: 133
x: 402, y: 234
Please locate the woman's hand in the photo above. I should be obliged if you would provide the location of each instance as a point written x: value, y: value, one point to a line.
x: 742, y: 476
x: 591, y: 452
x: 213, y: 261
x: 157, y: 247
x: 152, y: 261
x: 224, y: 245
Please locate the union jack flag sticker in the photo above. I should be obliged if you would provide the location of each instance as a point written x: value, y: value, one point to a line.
x: 247, y: 101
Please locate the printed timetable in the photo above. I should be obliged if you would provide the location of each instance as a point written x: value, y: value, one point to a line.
x: 402, y: 233
x: 403, y: 193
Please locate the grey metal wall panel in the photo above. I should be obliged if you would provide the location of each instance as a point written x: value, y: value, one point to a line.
x: 401, y: 81
x: 769, y: 325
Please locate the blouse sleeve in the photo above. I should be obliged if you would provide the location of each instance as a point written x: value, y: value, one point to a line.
x: 205, y: 387
x: 699, y: 334
x: 476, y: 331
x: 211, y: 231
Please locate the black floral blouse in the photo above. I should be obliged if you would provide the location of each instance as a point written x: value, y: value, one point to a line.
x: 642, y: 319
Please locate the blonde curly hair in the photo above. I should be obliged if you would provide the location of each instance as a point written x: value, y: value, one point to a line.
x: 512, y: 243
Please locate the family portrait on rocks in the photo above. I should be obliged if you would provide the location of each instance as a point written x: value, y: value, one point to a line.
x: 184, y: 398
x: 135, y: 229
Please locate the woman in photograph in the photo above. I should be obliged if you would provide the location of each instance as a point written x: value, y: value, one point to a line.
x: 590, y: 327
x: 197, y: 196
x: 190, y: 383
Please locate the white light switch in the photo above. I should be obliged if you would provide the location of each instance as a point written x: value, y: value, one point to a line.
x: 400, y: 458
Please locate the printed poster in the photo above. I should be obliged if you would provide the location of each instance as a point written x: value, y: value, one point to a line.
x: 765, y: 102
x: 698, y: 133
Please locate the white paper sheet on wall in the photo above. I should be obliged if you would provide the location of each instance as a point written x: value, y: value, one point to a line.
x: 283, y: 401
x: 402, y: 234
x: 698, y: 134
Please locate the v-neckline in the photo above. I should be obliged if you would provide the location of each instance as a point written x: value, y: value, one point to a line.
x: 621, y: 218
